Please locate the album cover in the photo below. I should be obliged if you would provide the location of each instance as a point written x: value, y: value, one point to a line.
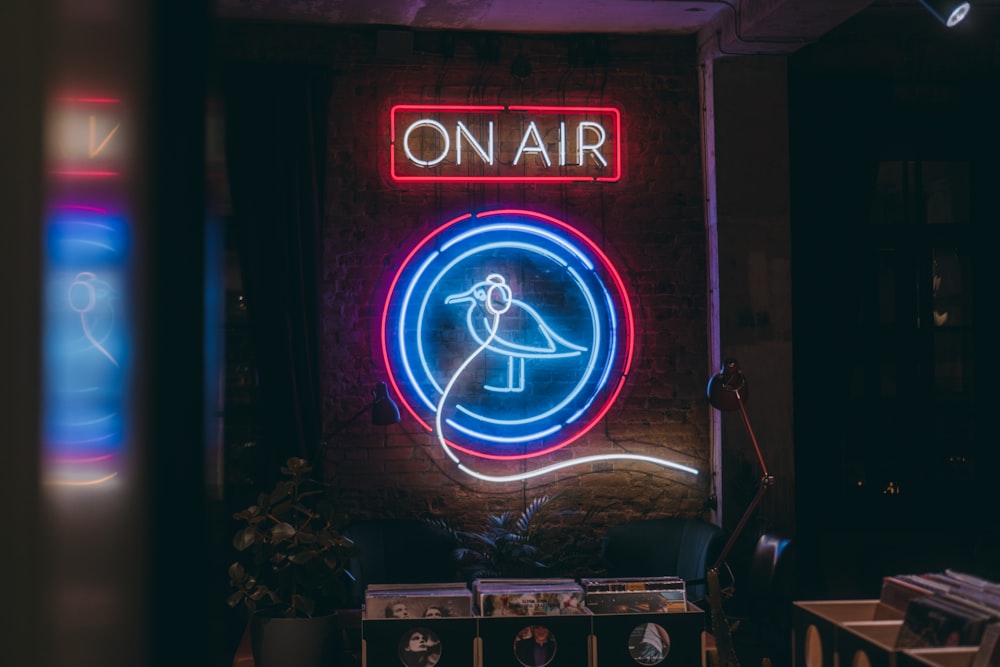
x: 529, y: 597
x: 895, y: 595
x: 636, y: 602
x: 417, y: 601
x: 600, y: 584
x: 934, y: 620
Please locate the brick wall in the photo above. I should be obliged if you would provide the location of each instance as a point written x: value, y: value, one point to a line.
x: 650, y: 224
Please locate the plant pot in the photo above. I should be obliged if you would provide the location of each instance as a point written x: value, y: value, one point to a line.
x: 295, y: 642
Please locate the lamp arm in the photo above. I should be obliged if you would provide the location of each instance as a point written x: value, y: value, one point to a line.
x: 721, y: 630
x: 350, y: 420
x: 321, y: 450
x: 765, y: 484
x: 753, y: 438
x: 766, y: 480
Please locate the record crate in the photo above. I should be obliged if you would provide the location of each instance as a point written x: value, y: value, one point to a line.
x: 391, y: 642
x: 618, y: 639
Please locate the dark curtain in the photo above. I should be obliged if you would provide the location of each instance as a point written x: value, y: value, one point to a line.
x: 276, y: 128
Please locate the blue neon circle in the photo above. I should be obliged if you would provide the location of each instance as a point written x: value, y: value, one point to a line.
x: 557, y: 358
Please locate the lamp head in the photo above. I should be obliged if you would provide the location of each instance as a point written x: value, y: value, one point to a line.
x: 949, y: 12
x: 385, y: 412
x: 727, y: 388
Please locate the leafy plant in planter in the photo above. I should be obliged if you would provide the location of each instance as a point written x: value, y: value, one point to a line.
x: 292, y: 555
x: 529, y: 543
x: 505, y: 547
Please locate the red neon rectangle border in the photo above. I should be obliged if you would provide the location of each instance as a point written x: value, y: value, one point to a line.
x: 612, y: 111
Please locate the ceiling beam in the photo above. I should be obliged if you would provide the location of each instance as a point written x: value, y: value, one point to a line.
x: 750, y: 27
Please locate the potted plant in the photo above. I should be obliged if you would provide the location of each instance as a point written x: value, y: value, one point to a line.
x: 539, y: 541
x: 290, y: 572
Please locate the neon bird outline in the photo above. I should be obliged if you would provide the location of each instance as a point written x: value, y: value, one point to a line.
x: 88, y: 282
x: 493, y: 298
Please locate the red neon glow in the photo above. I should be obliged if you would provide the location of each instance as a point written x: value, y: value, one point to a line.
x: 90, y: 100
x: 613, y: 112
x: 616, y: 278
x: 78, y: 207
x: 84, y: 172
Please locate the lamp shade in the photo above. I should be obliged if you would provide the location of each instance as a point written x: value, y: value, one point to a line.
x: 727, y: 388
x: 385, y: 412
x: 949, y: 12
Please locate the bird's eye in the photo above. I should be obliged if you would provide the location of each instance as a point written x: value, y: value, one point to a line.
x: 481, y: 294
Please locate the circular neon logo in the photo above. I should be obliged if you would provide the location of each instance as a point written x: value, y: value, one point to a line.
x: 509, y: 333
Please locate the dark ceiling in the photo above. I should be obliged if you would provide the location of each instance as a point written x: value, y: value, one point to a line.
x: 725, y: 26
x: 735, y: 25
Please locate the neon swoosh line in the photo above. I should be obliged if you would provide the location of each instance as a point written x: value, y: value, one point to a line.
x: 92, y: 482
x: 566, y: 464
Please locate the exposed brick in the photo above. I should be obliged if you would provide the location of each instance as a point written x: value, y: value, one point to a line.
x: 650, y: 224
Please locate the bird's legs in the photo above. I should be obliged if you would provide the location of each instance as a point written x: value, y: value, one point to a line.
x: 514, y: 384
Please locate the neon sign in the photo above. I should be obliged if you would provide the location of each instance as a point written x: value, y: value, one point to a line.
x: 86, y: 330
x: 466, y: 143
x: 552, y: 367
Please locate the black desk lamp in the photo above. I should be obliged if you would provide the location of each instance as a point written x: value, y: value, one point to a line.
x: 727, y: 391
x: 384, y: 410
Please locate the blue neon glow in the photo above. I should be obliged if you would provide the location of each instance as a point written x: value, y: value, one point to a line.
x: 527, y: 229
x: 401, y: 341
x: 502, y: 247
x: 85, y: 341
x: 509, y: 247
x: 512, y: 440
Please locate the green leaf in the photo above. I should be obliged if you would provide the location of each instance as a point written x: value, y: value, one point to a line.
x: 237, y: 574
x: 282, y: 490
x: 282, y: 531
x: 302, y: 557
x: 283, y: 508
x: 304, y: 509
x: 247, y: 514
x: 244, y: 539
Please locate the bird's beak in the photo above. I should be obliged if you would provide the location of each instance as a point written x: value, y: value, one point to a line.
x: 458, y: 298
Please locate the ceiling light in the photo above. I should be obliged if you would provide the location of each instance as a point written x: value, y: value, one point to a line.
x: 949, y: 12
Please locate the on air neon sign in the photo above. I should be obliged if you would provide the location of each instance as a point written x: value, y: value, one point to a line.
x: 467, y: 143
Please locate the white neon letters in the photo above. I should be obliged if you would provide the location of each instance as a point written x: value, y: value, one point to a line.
x: 462, y: 131
x: 464, y: 143
x: 424, y: 151
x: 583, y: 147
x: 436, y: 127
